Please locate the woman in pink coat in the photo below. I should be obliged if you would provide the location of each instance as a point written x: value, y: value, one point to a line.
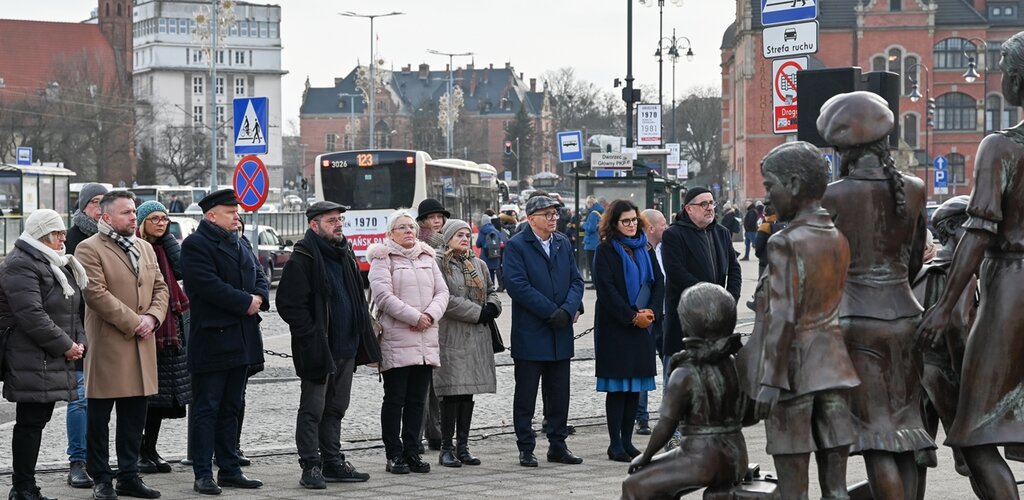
x: 410, y: 293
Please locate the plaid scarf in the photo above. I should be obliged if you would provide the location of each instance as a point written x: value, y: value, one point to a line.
x: 127, y: 243
x: 466, y: 261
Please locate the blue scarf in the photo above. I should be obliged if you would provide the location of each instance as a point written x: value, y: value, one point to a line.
x: 639, y: 271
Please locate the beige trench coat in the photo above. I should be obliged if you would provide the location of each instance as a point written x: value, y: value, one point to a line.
x: 118, y: 364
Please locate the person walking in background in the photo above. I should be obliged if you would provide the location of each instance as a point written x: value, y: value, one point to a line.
x: 467, y: 354
x: 40, y: 297
x: 409, y: 291
x: 491, y: 242
x: 173, y: 380
x: 431, y: 216
x: 630, y: 297
x: 125, y: 302
x: 321, y: 298
x: 654, y: 228
x: 751, y: 220
x: 591, y: 238
x: 547, y: 297
x: 176, y: 206
x: 83, y: 225
x: 226, y: 290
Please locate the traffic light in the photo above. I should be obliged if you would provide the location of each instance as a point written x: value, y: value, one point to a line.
x: 305, y: 184
x: 931, y: 112
x: 508, y: 147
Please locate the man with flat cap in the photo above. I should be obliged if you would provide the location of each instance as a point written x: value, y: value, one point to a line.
x: 321, y: 298
x: 546, y: 289
x: 227, y: 291
x: 695, y: 249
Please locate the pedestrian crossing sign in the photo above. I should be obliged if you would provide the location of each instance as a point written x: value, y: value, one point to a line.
x: 250, y: 115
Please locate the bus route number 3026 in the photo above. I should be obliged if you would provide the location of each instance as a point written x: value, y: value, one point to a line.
x: 363, y: 222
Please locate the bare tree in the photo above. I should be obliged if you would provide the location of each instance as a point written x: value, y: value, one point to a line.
x: 182, y: 154
x: 699, y: 126
x: 579, y: 104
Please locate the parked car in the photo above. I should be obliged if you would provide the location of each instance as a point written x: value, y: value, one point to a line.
x: 272, y: 251
x: 182, y: 227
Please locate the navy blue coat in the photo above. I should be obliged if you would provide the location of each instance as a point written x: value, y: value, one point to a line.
x: 220, y: 278
x: 538, y: 286
x: 622, y: 350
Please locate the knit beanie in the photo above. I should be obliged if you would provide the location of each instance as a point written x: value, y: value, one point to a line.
x: 147, y: 208
x: 88, y: 192
x: 43, y: 222
x: 451, y: 227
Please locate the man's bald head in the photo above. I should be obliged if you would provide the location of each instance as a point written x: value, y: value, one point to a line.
x: 656, y: 225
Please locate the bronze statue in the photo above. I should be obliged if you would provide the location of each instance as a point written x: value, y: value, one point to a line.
x: 882, y: 214
x: 703, y: 399
x: 796, y: 365
x: 990, y: 411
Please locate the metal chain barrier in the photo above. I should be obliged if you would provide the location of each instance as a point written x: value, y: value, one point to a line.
x: 268, y: 352
x: 584, y: 334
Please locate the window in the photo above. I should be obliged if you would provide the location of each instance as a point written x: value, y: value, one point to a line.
x: 197, y: 57
x: 220, y: 57
x: 239, y: 57
x: 197, y: 84
x: 183, y: 26
x: 895, y: 5
x: 191, y: 26
x: 197, y: 115
x: 913, y: 72
x: 220, y: 114
x: 949, y: 53
x: 910, y: 130
x: 957, y: 169
x: 163, y: 25
x: 878, y: 63
x: 955, y: 111
x: 1002, y: 12
x: 234, y: 29
x: 998, y: 116
x: 220, y: 85
x: 244, y: 26
x: 992, y: 56
x: 172, y: 26
x: 220, y: 148
x: 240, y: 86
x: 273, y: 30
x: 263, y: 29
x: 332, y: 142
x: 895, y: 60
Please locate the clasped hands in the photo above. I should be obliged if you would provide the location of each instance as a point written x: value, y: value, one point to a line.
x: 147, y: 324
x: 643, y: 318
x: 75, y: 353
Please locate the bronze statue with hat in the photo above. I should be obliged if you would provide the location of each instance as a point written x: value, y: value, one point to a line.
x: 990, y: 410
x: 882, y: 214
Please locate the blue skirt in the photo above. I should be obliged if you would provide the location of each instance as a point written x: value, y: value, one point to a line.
x: 634, y: 384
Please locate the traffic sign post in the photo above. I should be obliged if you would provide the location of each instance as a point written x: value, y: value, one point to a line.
x: 784, y: 93
x: 24, y: 155
x: 251, y: 119
x: 251, y: 182
x: 941, y: 184
x: 570, y: 146
x: 788, y: 11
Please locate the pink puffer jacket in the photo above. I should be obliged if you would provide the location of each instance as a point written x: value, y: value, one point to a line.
x: 403, y: 289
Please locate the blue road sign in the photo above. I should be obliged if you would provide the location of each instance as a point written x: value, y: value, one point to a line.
x: 940, y: 163
x: 941, y: 179
x: 570, y: 146
x: 24, y: 155
x: 251, y: 122
x: 604, y: 173
x: 788, y: 11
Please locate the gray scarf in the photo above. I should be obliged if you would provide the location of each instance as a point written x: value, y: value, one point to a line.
x: 127, y: 243
x: 85, y: 223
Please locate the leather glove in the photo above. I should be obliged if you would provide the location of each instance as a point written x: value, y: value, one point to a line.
x: 643, y: 318
x: 492, y: 311
x: 560, y: 319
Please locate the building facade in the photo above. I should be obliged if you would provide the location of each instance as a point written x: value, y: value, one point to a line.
x: 930, y: 42
x: 172, y: 77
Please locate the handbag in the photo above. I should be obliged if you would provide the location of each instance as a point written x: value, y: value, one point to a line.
x: 375, y: 315
x: 496, y: 342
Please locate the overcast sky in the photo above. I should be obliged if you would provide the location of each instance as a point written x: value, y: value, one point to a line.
x: 535, y: 35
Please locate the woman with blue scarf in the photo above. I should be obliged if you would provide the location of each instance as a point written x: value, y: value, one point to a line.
x: 630, y: 296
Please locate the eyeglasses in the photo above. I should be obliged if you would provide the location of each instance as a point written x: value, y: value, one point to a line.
x: 629, y: 222
x: 333, y: 221
x: 60, y: 234
x: 405, y: 227
x: 705, y: 204
x: 158, y: 220
x: 547, y: 215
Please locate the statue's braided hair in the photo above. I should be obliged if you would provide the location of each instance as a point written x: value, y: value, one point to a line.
x: 879, y: 149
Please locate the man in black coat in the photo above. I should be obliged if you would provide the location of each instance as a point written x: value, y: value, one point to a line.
x: 321, y: 298
x: 695, y: 249
x: 226, y: 291
x: 751, y: 220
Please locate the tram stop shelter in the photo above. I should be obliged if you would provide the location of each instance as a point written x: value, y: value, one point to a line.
x: 27, y: 188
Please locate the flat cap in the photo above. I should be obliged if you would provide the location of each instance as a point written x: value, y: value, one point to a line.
x: 540, y: 203
x: 855, y: 118
x: 219, y: 197
x: 322, y: 207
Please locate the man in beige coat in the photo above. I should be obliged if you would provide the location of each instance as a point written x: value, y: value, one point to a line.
x: 126, y: 300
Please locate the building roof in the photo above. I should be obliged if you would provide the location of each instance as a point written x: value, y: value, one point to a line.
x: 32, y: 52
x: 729, y: 37
x: 957, y: 12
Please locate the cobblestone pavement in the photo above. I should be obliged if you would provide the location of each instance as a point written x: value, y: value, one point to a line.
x: 268, y: 436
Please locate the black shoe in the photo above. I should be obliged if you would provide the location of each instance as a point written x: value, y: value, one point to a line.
x: 619, y: 455
x: 565, y: 457
x: 416, y: 464
x: 421, y: 449
x: 206, y: 486
x: 312, y: 478
x: 570, y: 429
x: 643, y: 429
x: 104, y: 491
x: 29, y: 494
x: 434, y: 445
x: 146, y: 466
x: 527, y: 459
x: 187, y: 462
x: 134, y: 487
x: 447, y: 457
x: 78, y: 477
x: 243, y: 461
x: 161, y: 465
x: 239, y: 481
x: 397, y: 465
x: 462, y: 453
x: 343, y: 472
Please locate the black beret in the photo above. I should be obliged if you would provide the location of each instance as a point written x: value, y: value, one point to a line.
x: 322, y: 207
x: 219, y: 197
x: 693, y: 193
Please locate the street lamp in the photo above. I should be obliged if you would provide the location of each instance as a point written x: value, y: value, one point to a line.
x: 915, y: 96
x: 661, y: 36
x: 373, y: 62
x: 673, y: 54
x: 351, y: 117
x: 449, y: 143
x: 971, y: 76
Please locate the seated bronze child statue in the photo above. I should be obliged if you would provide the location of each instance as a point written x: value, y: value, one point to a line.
x: 703, y: 400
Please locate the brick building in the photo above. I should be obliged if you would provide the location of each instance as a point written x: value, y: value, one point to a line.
x: 922, y: 40
x: 406, y: 114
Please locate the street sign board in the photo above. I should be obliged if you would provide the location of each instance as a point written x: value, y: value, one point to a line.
x: 683, y: 172
x: 251, y: 182
x: 941, y: 183
x: 787, y: 11
x: 940, y: 163
x: 673, y: 155
x: 784, y: 93
x: 570, y: 146
x: 610, y: 161
x: 790, y: 40
x: 251, y: 123
x: 508, y: 175
x: 24, y: 155
x: 648, y: 124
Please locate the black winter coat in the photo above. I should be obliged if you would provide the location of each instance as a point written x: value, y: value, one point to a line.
x: 45, y: 326
x: 750, y: 220
x: 220, y: 277
x: 622, y: 350
x: 173, y: 379
x: 692, y: 255
x: 75, y: 236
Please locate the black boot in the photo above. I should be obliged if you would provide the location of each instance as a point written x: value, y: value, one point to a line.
x: 312, y: 476
x: 146, y: 465
x: 465, y: 418
x: 449, y: 413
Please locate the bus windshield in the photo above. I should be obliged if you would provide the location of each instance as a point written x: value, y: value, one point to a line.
x: 369, y: 180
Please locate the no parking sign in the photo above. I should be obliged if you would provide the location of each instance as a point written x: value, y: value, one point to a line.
x: 251, y: 182
x: 784, y: 93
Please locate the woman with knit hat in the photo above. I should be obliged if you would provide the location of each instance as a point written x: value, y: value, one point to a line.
x: 40, y: 297
x: 175, y: 384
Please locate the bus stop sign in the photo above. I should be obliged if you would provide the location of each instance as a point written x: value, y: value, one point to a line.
x: 251, y: 183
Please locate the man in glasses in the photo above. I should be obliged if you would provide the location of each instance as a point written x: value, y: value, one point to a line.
x: 695, y: 249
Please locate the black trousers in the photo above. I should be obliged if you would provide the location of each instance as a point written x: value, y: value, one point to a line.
x: 29, y: 421
x: 401, y: 414
x: 131, y: 420
x: 555, y: 389
x: 216, y: 402
x: 322, y: 405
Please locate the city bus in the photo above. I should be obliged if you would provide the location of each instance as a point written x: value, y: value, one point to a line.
x: 375, y: 183
x: 163, y: 194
